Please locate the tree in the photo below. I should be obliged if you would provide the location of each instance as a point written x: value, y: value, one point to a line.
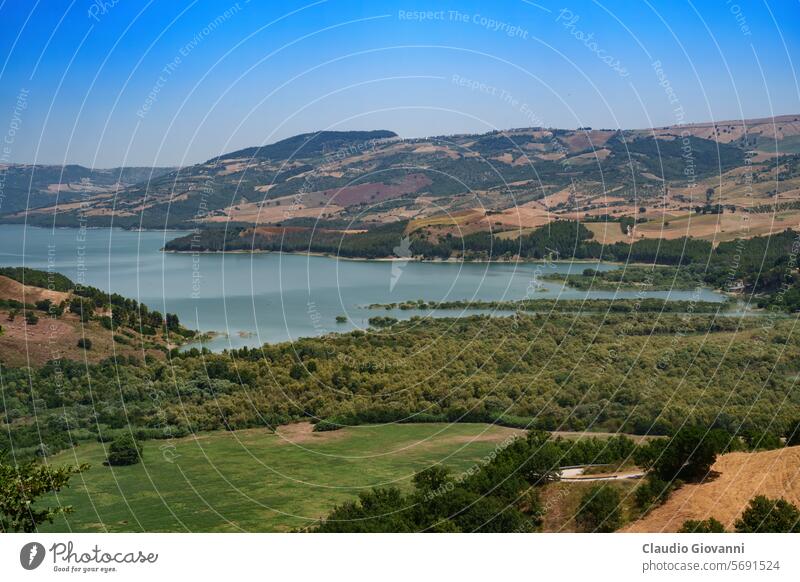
x: 429, y: 480
x: 81, y: 307
x: 31, y: 318
x: 709, y: 195
x: 793, y: 434
x: 652, y: 491
x: 764, y: 515
x: 124, y: 450
x: 172, y: 322
x: 761, y: 440
x: 600, y: 510
x: 378, y: 510
x: 709, y: 525
x: 22, y: 485
x: 85, y: 343
x: 688, y: 455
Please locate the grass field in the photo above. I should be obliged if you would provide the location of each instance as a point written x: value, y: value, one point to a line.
x: 252, y: 480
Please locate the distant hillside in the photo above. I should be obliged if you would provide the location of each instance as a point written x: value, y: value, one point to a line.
x: 309, y: 145
x: 509, y: 180
x: 30, y: 187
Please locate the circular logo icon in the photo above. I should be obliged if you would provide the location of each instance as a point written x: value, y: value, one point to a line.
x: 31, y: 555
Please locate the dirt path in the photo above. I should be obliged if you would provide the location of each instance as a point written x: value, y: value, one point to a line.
x: 577, y: 474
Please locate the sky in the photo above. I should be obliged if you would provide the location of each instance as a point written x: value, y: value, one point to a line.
x: 105, y: 83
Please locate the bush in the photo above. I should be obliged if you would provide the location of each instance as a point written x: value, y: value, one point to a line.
x: 793, y: 434
x: 81, y: 307
x: 341, y: 319
x: 85, y: 343
x: 124, y: 450
x: 652, y: 491
x: 765, y: 515
x: 709, y: 525
x: 600, y: 510
x: 688, y: 455
x: 31, y: 318
x: 761, y: 440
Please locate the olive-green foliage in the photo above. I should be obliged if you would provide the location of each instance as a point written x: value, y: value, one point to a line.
x: 21, y: 485
x: 764, y: 515
x: 793, y: 434
x: 600, y: 510
x: 631, y: 373
x: 652, y: 492
x: 124, y: 450
x: 491, y: 497
x: 633, y: 277
x: 709, y: 525
x: 38, y: 278
x: 687, y: 455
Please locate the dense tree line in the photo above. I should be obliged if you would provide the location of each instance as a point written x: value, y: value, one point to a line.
x: 37, y: 278
x: 629, y: 372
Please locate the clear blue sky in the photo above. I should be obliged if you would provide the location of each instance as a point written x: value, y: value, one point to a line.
x: 106, y: 83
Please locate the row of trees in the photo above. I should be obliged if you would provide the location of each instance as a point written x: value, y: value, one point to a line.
x: 552, y: 372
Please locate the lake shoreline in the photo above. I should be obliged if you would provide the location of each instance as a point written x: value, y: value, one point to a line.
x: 454, y: 261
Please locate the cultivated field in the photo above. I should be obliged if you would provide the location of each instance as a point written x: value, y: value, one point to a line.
x: 252, y: 480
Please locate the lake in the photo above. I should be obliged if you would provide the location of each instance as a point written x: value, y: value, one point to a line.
x: 272, y: 297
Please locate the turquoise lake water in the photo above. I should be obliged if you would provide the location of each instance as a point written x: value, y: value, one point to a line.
x: 251, y: 299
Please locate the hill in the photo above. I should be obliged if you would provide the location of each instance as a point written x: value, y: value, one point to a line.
x: 735, y: 479
x: 55, y: 321
x: 506, y: 180
x: 29, y: 188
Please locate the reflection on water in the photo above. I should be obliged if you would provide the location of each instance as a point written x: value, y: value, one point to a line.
x: 272, y: 297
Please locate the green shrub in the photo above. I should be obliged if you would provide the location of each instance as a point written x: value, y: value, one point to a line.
x: 793, y: 434
x: 124, y: 450
x: 651, y: 492
x: 709, y: 525
x: 687, y: 455
x: 765, y: 515
x: 85, y: 343
x: 600, y: 510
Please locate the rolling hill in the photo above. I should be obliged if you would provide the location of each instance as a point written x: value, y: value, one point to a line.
x: 41, y: 321
x: 508, y: 180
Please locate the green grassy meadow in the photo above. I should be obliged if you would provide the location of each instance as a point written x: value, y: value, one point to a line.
x: 253, y: 480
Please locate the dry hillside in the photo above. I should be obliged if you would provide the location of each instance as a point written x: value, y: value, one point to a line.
x: 54, y: 338
x: 740, y: 477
